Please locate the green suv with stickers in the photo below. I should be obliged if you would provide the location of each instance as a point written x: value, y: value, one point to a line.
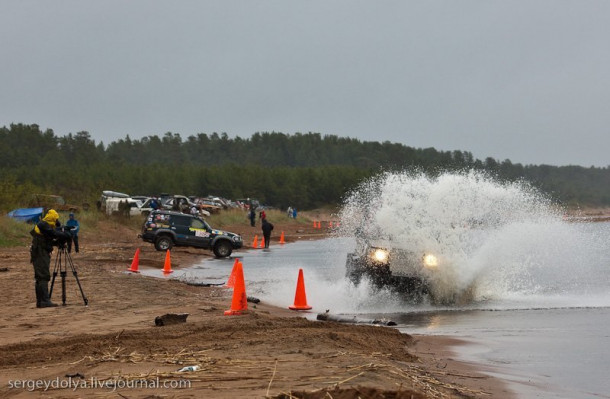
x: 166, y: 229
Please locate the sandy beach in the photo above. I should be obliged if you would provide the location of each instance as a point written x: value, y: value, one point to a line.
x: 112, y: 347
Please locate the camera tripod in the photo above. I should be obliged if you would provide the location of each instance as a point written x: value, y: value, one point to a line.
x: 62, y: 261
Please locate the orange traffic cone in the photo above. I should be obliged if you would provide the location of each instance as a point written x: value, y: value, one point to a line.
x: 300, y: 299
x: 319, y: 224
x: 255, y: 242
x: 330, y: 224
x: 314, y: 224
x: 239, y: 303
x: 135, y: 262
x: 167, y: 267
x: 262, y: 244
x: 282, y: 238
x: 231, y: 281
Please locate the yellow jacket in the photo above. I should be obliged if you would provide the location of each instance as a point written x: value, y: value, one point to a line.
x: 51, y: 218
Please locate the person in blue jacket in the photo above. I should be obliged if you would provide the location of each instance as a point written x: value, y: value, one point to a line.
x: 74, y: 227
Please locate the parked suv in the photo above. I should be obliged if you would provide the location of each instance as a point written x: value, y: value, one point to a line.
x: 166, y: 229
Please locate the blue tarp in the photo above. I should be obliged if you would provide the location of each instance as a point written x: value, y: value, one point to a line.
x: 29, y: 215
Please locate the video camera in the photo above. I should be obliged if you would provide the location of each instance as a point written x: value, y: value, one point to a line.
x: 63, y: 235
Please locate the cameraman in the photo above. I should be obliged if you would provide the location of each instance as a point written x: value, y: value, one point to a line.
x: 44, y: 236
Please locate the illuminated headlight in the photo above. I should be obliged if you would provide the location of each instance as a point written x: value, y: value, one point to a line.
x: 430, y: 261
x: 379, y: 256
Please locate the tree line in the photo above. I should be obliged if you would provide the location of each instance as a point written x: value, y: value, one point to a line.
x: 306, y: 170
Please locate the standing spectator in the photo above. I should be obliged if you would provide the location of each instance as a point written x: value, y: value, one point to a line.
x: 289, y: 212
x: 74, y: 227
x: 294, y: 213
x: 252, y: 216
x: 263, y: 215
x: 267, y: 227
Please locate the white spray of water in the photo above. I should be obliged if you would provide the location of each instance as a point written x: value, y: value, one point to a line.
x: 505, y: 240
x: 470, y: 221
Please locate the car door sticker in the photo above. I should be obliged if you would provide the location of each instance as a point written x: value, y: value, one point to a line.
x: 200, y: 232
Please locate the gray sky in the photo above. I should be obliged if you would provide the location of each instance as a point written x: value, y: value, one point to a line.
x: 523, y: 80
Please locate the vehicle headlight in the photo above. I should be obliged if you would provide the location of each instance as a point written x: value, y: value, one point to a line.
x: 379, y: 256
x: 430, y: 261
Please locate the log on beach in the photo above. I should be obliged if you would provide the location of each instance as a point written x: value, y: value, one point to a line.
x: 171, y: 318
x: 354, y: 320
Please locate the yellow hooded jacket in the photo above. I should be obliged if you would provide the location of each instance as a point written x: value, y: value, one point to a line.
x: 51, y: 218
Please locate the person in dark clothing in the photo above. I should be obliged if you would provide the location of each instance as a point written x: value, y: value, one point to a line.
x: 252, y: 216
x: 74, y: 227
x: 267, y: 227
x: 176, y: 205
x: 44, y: 236
x: 154, y: 205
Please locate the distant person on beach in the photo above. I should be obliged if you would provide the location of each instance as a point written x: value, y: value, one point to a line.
x: 154, y: 205
x: 74, y: 227
x: 252, y: 216
x: 289, y: 212
x: 267, y: 227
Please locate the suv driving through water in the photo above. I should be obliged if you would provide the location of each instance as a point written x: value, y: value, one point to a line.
x: 449, y: 237
x: 402, y: 270
x: 166, y: 229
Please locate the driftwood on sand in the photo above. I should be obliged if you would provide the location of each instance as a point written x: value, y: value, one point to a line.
x: 345, y: 319
x: 171, y: 318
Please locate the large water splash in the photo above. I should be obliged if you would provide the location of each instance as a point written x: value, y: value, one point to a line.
x: 482, y: 230
x: 507, y: 240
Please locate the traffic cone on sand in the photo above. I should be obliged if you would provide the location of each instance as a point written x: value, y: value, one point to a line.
x: 239, y: 303
x: 255, y: 242
x: 167, y: 266
x: 231, y: 281
x: 135, y: 262
x: 282, y: 241
x: 300, y: 299
x: 262, y: 244
x: 319, y: 224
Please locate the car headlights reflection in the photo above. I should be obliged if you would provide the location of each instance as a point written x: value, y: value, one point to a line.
x: 430, y: 261
x: 379, y: 256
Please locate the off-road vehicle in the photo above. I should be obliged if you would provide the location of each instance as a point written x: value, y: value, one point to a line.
x: 402, y: 270
x: 415, y: 275
x: 166, y: 229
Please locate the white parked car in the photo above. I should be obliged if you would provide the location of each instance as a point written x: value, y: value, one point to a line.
x: 113, y: 206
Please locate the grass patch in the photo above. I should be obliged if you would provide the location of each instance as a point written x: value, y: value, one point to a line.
x: 227, y: 218
x: 13, y: 232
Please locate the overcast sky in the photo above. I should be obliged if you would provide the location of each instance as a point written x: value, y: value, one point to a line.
x: 523, y: 80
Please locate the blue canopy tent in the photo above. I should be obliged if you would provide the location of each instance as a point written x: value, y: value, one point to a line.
x: 28, y: 215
